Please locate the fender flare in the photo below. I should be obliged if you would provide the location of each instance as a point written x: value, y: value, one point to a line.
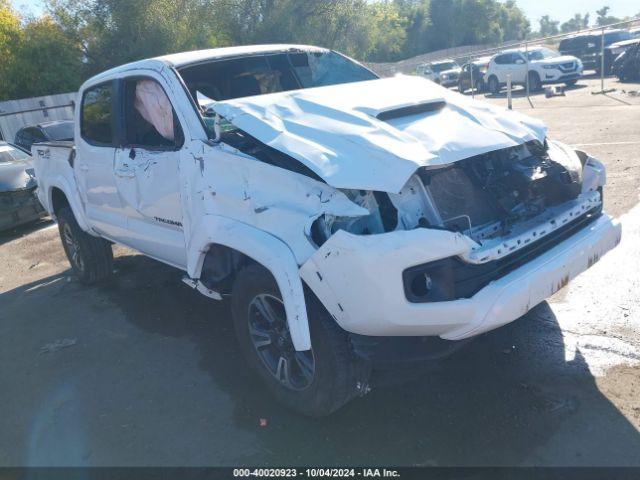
x: 75, y: 203
x: 266, y: 249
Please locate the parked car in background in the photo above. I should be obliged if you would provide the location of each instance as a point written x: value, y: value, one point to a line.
x: 587, y: 46
x: 627, y: 66
x: 444, y: 72
x: 475, y: 70
x: 18, y: 201
x: 57, y: 130
x: 544, y: 66
x: 613, y: 51
x: 340, y: 212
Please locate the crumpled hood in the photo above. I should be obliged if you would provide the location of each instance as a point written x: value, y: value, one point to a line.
x: 334, y: 130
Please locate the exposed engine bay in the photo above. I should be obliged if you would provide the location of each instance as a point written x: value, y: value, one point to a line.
x: 483, y: 197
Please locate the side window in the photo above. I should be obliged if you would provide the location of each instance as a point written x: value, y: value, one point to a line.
x: 97, y: 115
x: 36, y: 135
x: 502, y: 59
x: 149, y: 118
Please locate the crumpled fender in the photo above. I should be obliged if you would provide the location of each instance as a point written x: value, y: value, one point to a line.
x: 59, y: 181
x: 265, y: 249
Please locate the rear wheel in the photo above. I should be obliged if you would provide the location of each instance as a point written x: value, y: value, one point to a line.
x: 494, y: 85
x: 461, y: 88
x: 316, y: 382
x: 91, y: 258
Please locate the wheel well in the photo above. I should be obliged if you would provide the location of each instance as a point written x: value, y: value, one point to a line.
x: 220, y: 267
x: 58, y: 200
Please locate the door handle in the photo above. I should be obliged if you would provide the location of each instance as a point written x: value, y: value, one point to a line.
x: 124, y: 173
x: 84, y: 167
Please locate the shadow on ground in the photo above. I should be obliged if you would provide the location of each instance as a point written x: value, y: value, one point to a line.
x: 147, y: 372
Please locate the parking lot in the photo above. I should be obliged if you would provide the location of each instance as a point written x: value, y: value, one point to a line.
x: 145, y: 371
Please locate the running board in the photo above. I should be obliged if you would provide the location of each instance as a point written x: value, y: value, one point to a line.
x: 198, y: 285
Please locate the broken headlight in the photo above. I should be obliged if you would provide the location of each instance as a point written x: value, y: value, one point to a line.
x: 382, y: 217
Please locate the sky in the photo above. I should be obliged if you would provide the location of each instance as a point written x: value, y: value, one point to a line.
x: 558, y: 9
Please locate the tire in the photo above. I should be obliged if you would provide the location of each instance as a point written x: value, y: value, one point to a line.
x: 534, y: 82
x: 461, y: 88
x: 479, y: 86
x: 328, y: 379
x: 91, y: 258
x: 571, y: 83
x: 494, y: 85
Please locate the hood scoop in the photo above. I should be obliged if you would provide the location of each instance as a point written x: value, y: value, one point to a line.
x: 413, y: 109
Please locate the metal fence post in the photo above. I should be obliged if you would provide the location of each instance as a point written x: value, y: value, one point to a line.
x: 509, y: 100
x: 473, y: 95
x: 602, y: 62
x: 526, y: 58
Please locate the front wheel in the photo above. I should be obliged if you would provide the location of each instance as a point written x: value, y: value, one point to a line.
x: 494, y: 86
x: 91, y: 258
x: 534, y: 82
x: 316, y: 382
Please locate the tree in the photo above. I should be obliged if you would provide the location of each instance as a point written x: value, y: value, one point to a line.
x: 604, y: 19
x: 548, y: 27
x: 9, y: 38
x: 578, y: 22
x: 46, y: 61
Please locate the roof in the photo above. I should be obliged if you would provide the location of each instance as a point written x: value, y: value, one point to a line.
x: 183, y: 59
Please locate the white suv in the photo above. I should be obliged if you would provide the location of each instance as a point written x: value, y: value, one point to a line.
x: 443, y: 72
x: 544, y: 66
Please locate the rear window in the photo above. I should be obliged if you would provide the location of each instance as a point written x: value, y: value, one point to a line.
x: 60, y: 131
x: 97, y: 115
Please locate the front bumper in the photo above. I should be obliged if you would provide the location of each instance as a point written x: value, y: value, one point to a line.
x: 359, y: 280
x: 558, y: 77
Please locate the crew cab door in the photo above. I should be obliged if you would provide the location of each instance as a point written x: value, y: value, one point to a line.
x: 519, y: 68
x: 93, y: 167
x: 146, y: 169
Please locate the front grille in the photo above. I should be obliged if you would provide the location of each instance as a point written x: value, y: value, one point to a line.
x: 567, y: 67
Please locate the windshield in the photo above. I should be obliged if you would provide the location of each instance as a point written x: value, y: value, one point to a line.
x: 261, y: 74
x: 542, y: 53
x: 59, y: 131
x: 441, y: 67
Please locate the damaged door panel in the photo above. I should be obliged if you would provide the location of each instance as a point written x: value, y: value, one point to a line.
x: 333, y: 208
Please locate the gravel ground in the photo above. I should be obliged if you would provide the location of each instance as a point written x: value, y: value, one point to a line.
x: 145, y: 371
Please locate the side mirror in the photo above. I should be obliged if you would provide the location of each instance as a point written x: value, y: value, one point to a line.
x: 520, y: 61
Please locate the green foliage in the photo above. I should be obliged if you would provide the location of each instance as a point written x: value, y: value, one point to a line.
x: 604, y: 18
x: 578, y: 22
x: 548, y: 27
x: 79, y: 38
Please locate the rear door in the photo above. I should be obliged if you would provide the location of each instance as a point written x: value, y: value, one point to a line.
x: 94, y: 161
x: 146, y: 168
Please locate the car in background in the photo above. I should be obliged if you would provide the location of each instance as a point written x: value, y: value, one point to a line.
x: 542, y: 65
x: 57, y: 130
x: 587, y: 46
x: 443, y: 72
x: 474, y: 70
x: 18, y: 201
x: 613, y: 51
x: 627, y: 66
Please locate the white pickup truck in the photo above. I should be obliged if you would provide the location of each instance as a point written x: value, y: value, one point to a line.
x: 338, y: 210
